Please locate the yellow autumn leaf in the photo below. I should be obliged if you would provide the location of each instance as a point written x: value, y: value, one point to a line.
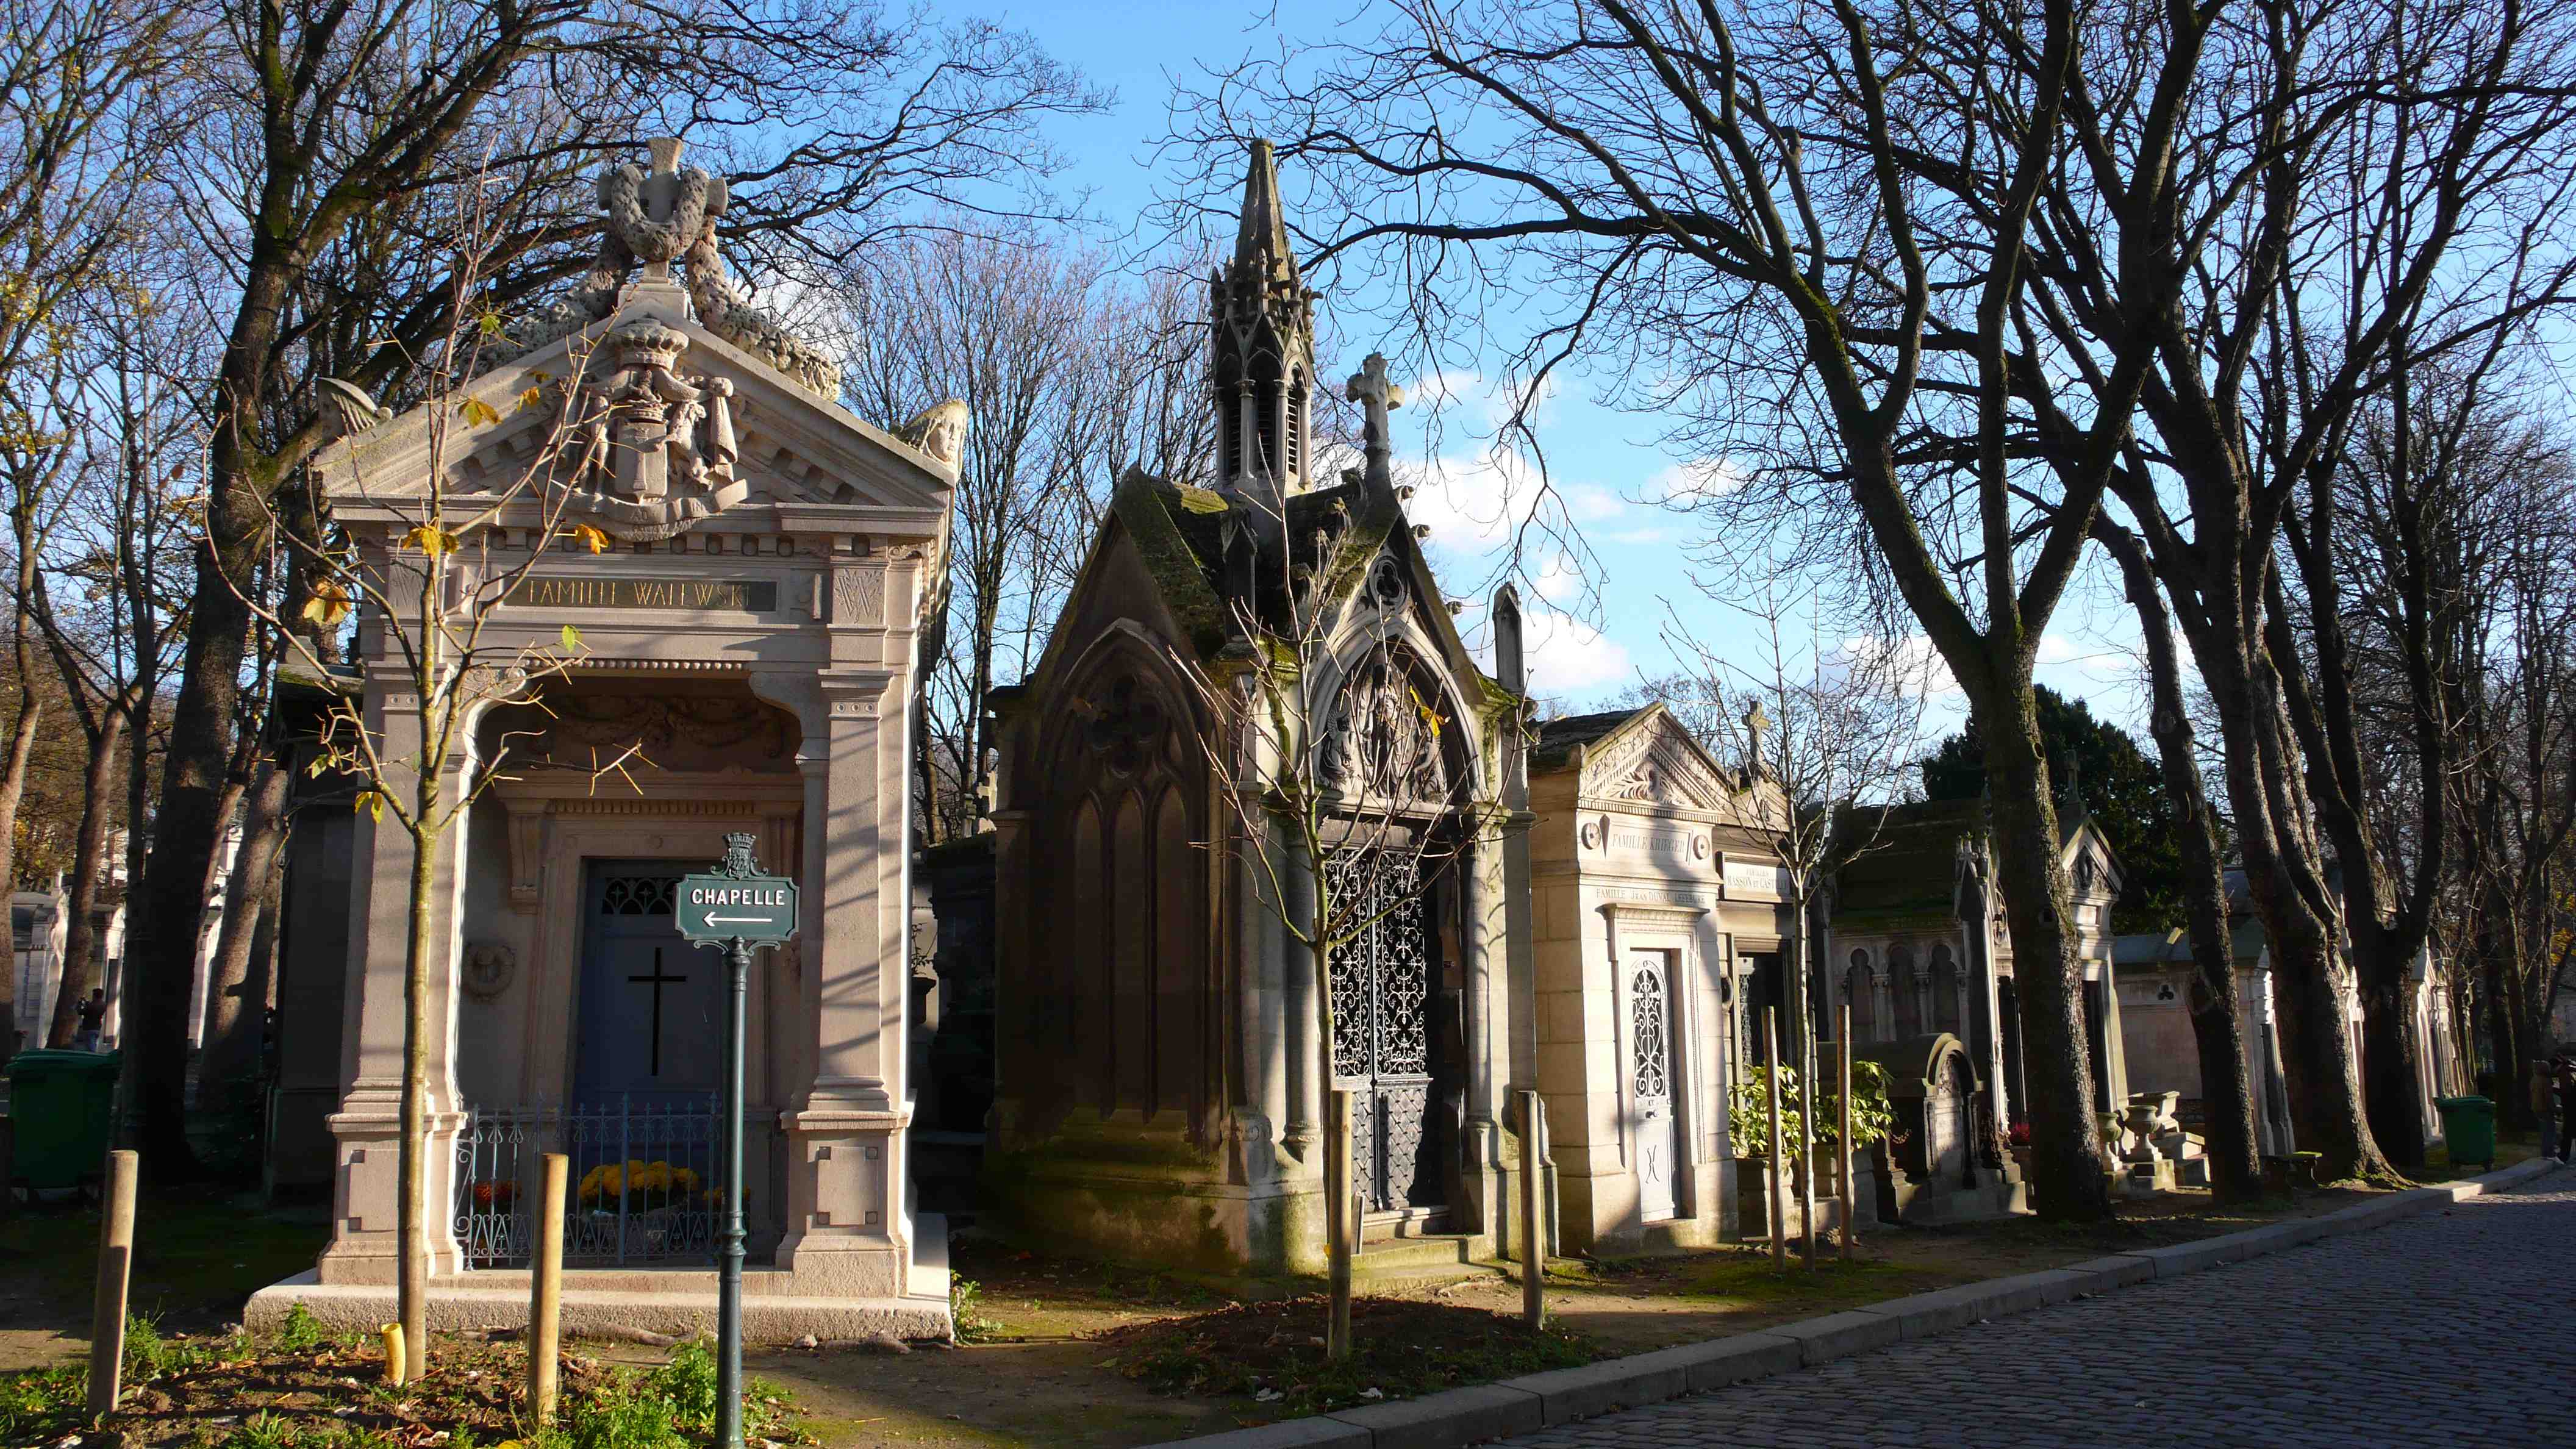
x: 478, y: 412
x: 571, y: 639
x: 373, y: 803
x: 490, y: 323
x: 1202, y: 500
x: 533, y: 397
x: 328, y: 605
x: 436, y: 542
x: 589, y: 537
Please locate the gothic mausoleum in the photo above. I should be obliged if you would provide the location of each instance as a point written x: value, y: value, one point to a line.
x: 1161, y: 1076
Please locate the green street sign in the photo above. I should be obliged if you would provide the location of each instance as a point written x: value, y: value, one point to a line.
x: 721, y: 907
x: 735, y: 901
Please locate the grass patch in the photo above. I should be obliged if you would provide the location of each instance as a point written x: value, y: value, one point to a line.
x: 196, y: 1257
x: 1273, y: 1353
x: 1748, y: 1277
x: 237, y: 1392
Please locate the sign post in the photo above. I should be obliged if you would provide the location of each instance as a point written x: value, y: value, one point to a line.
x: 736, y: 907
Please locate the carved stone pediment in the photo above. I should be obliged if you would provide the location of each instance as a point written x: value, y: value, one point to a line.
x: 1653, y: 762
x: 644, y: 426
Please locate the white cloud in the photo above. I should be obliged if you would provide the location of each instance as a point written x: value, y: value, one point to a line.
x: 1568, y: 657
x: 1912, y: 659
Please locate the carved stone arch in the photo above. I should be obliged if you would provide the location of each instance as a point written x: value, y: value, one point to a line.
x: 1373, y: 639
x: 1123, y: 709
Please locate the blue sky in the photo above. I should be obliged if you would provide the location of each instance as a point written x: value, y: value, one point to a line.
x: 1614, y: 614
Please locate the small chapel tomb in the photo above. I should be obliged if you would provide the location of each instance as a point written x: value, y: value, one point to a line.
x: 746, y: 566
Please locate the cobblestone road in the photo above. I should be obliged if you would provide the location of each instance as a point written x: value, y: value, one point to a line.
x: 2453, y: 1329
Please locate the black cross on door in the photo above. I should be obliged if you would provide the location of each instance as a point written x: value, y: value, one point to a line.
x: 657, y: 980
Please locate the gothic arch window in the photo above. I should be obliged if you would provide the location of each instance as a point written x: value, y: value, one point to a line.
x: 1859, y: 990
x: 1901, y: 982
x: 1121, y: 891
x: 1945, y: 991
x: 1391, y: 735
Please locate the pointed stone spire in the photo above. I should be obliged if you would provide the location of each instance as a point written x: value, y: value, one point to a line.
x: 1262, y: 236
x: 1261, y: 372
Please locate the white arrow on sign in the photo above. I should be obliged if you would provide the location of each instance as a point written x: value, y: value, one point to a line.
x: 739, y: 920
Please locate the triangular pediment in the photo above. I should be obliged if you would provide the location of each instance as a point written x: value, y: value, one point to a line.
x: 740, y: 431
x: 1651, y: 759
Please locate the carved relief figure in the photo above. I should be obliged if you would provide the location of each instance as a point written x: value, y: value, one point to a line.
x: 651, y: 452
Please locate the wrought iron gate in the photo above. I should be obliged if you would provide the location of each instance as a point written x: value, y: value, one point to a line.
x: 1382, y: 1039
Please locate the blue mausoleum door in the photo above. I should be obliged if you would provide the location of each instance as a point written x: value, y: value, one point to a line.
x: 652, y: 1008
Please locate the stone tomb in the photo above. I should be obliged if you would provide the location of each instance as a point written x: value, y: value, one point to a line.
x: 750, y: 634
x: 1647, y: 885
x: 1161, y: 1082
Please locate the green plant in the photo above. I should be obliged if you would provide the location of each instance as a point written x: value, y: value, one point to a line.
x: 688, y: 1384
x: 264, y: 1430
x: 301, y: 1332
x: 40, y: 1400
x: 1749, y: 1110
x: 965, y: 1309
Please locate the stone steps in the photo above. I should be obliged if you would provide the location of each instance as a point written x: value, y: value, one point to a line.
x: 1431, y: 1256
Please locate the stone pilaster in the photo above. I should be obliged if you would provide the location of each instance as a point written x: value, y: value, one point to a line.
x: 367, y: 1128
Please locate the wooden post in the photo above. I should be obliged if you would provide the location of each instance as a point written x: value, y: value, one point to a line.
x: 545, y: 1289
x: 115, y: 1269
x: 1771, y: 1079
x: 1533, y: 1210
x: 1843, y: 1138
x: 1341, y: 1214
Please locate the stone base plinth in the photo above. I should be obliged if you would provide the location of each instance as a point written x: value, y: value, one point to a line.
x: 775, y: 1307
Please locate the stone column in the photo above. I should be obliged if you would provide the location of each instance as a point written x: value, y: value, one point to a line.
x: 848, y: 1232
x: 367, y: 1129
x: 1481, y: 940
x: 1882, y: 1001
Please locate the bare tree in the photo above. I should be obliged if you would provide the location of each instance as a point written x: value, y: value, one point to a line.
x: 2217, y: 1013
x: 1071, y: 373
x: 68, y: 165
x: 309, y: 128
x: 2358, y: 186
x: 1808, y: 246
x: 427, y: 596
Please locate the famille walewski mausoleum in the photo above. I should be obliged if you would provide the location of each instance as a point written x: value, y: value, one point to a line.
x: 751, y: 633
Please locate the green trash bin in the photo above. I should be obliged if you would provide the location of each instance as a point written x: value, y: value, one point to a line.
x: 2468, y: 1126
x: 62, y: 1108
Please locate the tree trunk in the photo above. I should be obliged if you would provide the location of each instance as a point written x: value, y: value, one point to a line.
x: 235, y: 1005
x: 2325, y: 1088
x: 13, y: 784
x: 2217, y: 1012
x: 2392, y: 1090
x: 2068, y: 1170
x: 167, y: 904
x: 411, y: 1271
x: 80, y: 938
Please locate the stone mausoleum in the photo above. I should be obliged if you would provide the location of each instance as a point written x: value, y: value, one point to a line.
x: 1160, y: 1076
x: 747, y: 644
x: 1655, y: 904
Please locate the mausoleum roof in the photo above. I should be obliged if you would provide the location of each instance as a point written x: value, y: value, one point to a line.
x: 1557, y: 738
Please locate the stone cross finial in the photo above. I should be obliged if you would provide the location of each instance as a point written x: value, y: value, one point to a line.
x: 1377, y: 397
x: 1756, y: 725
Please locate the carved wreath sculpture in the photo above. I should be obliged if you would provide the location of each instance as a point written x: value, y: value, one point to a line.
x: 664, y: 215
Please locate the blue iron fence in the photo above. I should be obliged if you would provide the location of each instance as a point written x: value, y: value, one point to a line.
x: 645, y: 1182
